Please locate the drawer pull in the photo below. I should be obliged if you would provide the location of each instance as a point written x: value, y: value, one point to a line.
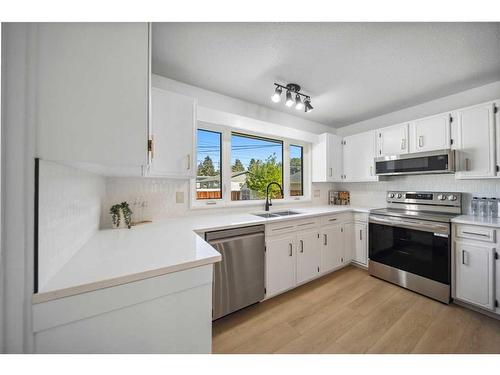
x: 476, y: 234
x: 281, y: 228
x: 300, y: 225
x: 333, y: 219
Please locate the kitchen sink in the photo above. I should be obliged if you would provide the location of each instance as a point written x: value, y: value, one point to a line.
x: 268, y: 215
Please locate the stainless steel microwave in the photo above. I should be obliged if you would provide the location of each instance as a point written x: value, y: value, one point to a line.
x: 440, y: 161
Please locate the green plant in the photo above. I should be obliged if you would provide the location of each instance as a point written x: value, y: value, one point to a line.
x: 115, y: 214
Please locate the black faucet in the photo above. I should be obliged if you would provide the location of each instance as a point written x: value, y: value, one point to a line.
x: 268, y: 200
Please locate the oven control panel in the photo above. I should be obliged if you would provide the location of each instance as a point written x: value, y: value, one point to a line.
x: 427, y: 197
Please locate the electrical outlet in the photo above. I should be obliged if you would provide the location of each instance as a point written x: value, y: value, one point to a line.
x: 179, y: 197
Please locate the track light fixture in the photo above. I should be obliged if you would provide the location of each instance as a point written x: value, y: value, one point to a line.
x: 291, y: 90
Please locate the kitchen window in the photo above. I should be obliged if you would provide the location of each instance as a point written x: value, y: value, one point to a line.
x: 209, y: 162
x: 234, y: 168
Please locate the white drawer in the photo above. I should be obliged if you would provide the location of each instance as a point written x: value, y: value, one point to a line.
x: 474, y: 232
x: 291, y: 225
x: 336, y: 218
x: 361, y: 216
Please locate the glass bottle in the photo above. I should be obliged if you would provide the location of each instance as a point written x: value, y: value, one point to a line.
x: 493, y: 207
x: 483, y: 207
x: 474, y: 206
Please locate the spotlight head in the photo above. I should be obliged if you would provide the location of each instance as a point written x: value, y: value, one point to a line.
x: 308, y: 106
x: 277, y: 95
x: 289, y: 100
x: 299, y: 106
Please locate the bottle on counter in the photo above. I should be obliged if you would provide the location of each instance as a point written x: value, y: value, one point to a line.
x: 483, y: 207
x: 493, y: 207
x: 474, y: 203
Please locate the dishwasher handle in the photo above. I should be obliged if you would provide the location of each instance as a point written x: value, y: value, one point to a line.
x: 235, y: 238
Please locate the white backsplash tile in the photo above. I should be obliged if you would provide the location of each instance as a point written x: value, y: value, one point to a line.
x: 374, y: 193
x: 69, y: 211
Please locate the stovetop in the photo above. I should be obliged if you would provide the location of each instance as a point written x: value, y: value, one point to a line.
x: 419, y: 215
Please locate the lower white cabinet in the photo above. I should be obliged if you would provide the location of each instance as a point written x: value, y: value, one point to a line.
x: 474, y: 273
x: 360, y: 243
x: 308, y: 255
x: 332, y: 247
x: 280, y: 263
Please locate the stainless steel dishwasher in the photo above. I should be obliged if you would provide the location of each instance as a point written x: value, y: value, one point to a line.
x: 239, y: 277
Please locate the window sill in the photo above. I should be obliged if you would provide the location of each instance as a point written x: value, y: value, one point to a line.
x: 257, y: 203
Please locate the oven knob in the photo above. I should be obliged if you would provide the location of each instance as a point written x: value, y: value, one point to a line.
x: 400, y: 195
x: 390, y: 195
x: 441, y: 197
x: 452, y: 197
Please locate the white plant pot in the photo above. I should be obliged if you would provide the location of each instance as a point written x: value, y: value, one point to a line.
x: 122, y: 221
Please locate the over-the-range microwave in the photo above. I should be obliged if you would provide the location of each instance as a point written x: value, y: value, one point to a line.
x: 440, y: 161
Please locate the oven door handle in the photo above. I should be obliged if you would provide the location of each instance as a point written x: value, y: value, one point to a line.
x: 416, y: 225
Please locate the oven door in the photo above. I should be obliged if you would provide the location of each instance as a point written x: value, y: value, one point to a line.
x: 417, y: 246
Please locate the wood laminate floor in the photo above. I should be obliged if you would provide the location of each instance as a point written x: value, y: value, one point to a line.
x: 351, y: 312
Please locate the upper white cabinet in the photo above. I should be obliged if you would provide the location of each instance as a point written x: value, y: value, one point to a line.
x: 430, y: 133
x: 173, y: 135
x: 327, y: 158
x: 358, y: 156
x: 92, y: 93
x: 392, y: 140
x: 474, y: 274
x: 476, y: 141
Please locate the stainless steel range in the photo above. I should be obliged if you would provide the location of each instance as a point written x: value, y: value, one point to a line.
x: 410, y: 241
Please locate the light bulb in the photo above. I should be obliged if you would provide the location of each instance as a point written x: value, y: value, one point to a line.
x: 299, y: 106
x: 289, y: 100
x: 308, y: 105
x: 277, y: 95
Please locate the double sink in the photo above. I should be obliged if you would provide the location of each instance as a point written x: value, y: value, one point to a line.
x: 268, y: 215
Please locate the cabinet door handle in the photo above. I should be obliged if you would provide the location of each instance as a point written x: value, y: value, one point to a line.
x: 361, y: 235
x: 301, y: 246
x: 467, y: 164
x: 371, y: 170
x: 463, y: 257
x: 421, y: 141
x: 325, y: 239
x: 476, y: 234
x: 331, y: 172
x: 291, y: 249
x: 189, y: 161
x: 403, y: 144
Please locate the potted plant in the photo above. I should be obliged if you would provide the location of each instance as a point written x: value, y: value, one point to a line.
x: 121, y: 215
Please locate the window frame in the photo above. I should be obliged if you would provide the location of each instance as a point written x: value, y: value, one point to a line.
x: 226, y: 201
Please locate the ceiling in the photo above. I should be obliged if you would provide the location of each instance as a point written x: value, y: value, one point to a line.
x: 352, y: 71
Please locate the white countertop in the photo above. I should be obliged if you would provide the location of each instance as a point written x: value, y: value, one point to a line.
x: 477, y: 220
x: 117, y: 256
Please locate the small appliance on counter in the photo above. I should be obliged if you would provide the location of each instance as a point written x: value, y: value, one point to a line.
x: 338, y: 198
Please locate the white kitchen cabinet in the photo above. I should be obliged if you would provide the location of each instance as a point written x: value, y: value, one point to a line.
x: 92, y: 94
x: 392, y: 140
x: 173, y: 135
x: 280, y: 263
x: 348, y: 253
x: 474, y: 273
x: 308, y: 255
x: 430, y: 133
x: 360, y: 243
x: 476, y: 142
x: 327, y: 158
x: 358, y: 156
x: 332, y: 247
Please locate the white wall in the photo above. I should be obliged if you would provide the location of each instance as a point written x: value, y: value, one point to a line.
x: 69, y: 213
x: 373, y: 194
x: 462, y: 99
x: 218, y: 102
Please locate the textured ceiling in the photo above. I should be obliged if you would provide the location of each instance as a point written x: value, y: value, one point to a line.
x: 352, y: 71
